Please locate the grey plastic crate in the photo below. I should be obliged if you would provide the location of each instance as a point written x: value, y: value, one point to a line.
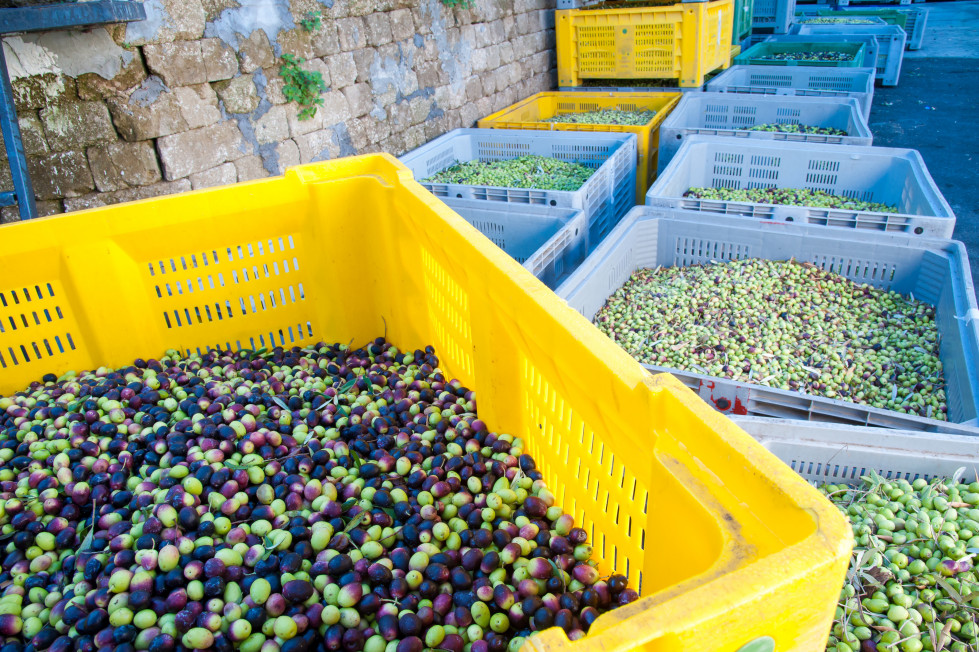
x: 549, y: 242
x: 890, y: 40
x: 933, y: 270
x: 879, y: 174
x: 775, y: 15
x: 804, y: 81
x: 873, y: 20
x: 604, y: 199
x: 730, y: 114
x: 915, y: 21
x: 754, y: 39
x: 845, y: 3
x: 870, y: 53
x: 808, y: 10
x: 832, y: 453
x: 915, y: 26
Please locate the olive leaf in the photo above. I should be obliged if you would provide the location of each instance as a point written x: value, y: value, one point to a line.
x: 356, y: 521
x: 877, y: 577
x: 278, y: 401
x: 556, y: 572
x: 951, y: 592
x: 347, y: 386
x: 357, y: 461
x: 239, y: 467
x: 87, y: 541
x: 957, y: 476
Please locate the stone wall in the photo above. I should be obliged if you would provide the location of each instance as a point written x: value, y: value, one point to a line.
x: 192, y: 96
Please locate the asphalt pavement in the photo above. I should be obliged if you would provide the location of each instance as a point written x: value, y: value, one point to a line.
x: 935, y: 110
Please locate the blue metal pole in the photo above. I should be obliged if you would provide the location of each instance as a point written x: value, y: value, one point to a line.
x: 23, y: 190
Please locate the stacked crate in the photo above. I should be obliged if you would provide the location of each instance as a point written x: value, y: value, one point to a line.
x: 712, y: 140
x: 679, y: 43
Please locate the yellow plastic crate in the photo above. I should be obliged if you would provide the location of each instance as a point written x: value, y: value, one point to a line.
x: 725, y: 543
x: 682, y: 41
x: 531, y: 113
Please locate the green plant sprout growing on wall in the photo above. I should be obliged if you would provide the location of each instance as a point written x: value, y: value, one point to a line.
x: 313, y: 21
x: 462, y: 4
x: 302, y: 86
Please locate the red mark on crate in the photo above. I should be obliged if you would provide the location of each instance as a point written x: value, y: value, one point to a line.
x: 723, y: 404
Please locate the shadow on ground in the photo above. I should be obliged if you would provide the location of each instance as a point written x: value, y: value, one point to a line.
x: 934, y: 110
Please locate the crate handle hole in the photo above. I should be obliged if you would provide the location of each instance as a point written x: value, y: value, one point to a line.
x: 790, y: 219
x: 918, y: 230
x: 553, y: 202
x: 679, y: 136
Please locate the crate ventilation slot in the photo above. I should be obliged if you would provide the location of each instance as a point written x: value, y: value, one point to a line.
x: 603, y: 484
x: 848, y: 472
x: 871, y: 272
x: 698, y: 251
x: 32, y: 307
x: 449, y: 314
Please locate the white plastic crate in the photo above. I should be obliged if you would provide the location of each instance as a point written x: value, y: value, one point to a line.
x: 887, y: 175
x: 846, y: 3
x: 730, y: 114
x: 933, y: 270
x: 890, y: 40
x: 871, y: 20
x: 808, y: 10
x: 805, y: 81
x: 916, y: 19
x: 549, y: 242
x: 604, y: 198
x: 775, y: 15
x: 915, y: 26
x: 832, y: 453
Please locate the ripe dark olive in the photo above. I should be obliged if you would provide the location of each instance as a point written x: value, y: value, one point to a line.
x: 617, y: 584
x: 542, y: 619
x: 182, y: 457
x: 563, y: 619
x: 297, y: 590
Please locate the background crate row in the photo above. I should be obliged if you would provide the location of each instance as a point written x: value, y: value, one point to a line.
x: 890, y: 39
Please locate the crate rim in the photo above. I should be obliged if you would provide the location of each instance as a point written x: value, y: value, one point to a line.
x: 923, y: 450
x: 533, y: 133
x: 673, y: 98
